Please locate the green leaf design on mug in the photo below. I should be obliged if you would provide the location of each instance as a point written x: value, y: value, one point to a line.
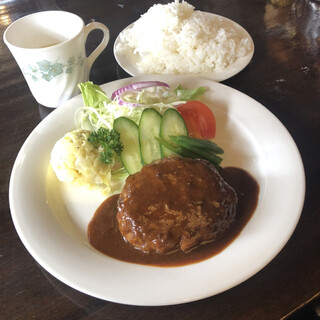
x: 48, y: 70
x: 69, y: 70
x: 71, y: 60
x: 44, y: 65
x: 46, y: 76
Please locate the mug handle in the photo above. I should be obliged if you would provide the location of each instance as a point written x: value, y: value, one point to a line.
x: 106, y: 36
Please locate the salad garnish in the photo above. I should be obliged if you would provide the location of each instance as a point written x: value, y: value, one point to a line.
x: 140, y: 123
x: 100, y: 111
x: 148, y: 136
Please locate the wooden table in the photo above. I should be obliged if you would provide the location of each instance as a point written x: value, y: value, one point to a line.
x: 284, y: 76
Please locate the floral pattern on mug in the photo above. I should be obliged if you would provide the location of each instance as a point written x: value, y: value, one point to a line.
x: 47, y: 70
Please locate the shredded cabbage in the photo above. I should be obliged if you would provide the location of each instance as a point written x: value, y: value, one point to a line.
x: 100, y: 111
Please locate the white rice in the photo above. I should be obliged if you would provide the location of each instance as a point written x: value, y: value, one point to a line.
x: 176, y: 39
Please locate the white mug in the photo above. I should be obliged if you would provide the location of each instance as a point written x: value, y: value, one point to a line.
x: 49, y: 47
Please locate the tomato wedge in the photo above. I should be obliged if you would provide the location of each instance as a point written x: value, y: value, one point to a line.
x: 199, y: 119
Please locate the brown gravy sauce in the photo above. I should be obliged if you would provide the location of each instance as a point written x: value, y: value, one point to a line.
x: 104, y: 234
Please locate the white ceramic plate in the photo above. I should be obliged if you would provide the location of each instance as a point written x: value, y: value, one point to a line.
x: 129, y: 65
x: 51, y: 218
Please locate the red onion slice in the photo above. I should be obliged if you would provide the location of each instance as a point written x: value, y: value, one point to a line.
x: 138, y: 86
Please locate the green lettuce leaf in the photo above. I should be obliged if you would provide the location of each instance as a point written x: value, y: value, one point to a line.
x: 92, y: 94
x: 184, y: 94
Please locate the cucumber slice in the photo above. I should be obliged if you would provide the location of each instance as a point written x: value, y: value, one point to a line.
x: 172, y: 124
x: 129, y: 136
x: 149, y: 130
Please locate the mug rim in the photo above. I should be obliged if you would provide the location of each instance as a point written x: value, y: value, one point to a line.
x: 12, y: 25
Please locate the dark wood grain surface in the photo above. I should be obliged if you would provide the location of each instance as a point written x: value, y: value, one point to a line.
x: 284, y: 76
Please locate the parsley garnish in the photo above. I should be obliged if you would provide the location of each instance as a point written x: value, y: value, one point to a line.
x: 107, y: 141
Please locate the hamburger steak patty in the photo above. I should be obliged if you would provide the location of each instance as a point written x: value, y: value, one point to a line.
x: 175, y: 203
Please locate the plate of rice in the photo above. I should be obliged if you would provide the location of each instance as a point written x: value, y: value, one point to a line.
x: 177, y: 39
